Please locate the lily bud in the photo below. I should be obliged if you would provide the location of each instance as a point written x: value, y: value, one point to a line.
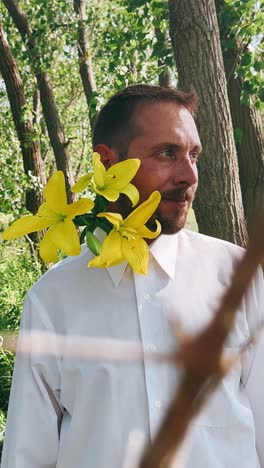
x: 93, y: 243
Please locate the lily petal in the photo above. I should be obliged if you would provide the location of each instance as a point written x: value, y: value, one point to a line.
x: 111, y: 253
x: 136, y: 252
x: 82, y: 183
x: 64, y: 236
x: 26, y: 225
x: 114, y: 218
x: 109, y: 194
x: 132, y: 193
x: 122, y: 173
x: 143, y: 212
x: 79, y: 207
x: 99, y: 171
x: 55, y: 192
x: 147, y: 233
x: 45, y: 211
x: 47, y: 249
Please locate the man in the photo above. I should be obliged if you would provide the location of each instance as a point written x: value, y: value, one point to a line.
x: 69, y: 413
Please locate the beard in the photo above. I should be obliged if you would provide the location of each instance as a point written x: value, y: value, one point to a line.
x: 174, y: 219
x: 172, y: 226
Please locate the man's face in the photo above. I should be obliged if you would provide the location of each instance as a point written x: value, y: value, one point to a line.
x: 168, y: 146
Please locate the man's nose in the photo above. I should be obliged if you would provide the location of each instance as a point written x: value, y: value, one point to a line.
x: 186, y: 172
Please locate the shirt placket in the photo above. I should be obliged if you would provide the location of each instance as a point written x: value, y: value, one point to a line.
x: 155, y: 336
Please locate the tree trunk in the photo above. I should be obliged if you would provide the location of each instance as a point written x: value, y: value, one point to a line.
x: 30, y: 146
x: 85, y: 59
x: 55, y: 130
x: 50, y: 112
x: 251, y: 147
x: 196, y: 42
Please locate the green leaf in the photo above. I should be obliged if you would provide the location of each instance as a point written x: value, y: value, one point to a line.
x: 261, y: 95
x: 248, y: 87
x: 83, y: 234
x: 241, y: 71
x: 246, y: 59
x: 245, y: 99
x: 258, y: 65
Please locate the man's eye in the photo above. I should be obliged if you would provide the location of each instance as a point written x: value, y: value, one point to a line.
x: 167, y: 153
x: 194, y: 157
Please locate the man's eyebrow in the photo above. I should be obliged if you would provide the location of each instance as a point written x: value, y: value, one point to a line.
x: 165, y: 144
x: 173, y: 146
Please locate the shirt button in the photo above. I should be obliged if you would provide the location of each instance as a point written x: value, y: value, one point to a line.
x: 146, y: 297
x: 158, y: 404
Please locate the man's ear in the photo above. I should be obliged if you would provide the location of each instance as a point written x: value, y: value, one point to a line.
x: 108, y: 156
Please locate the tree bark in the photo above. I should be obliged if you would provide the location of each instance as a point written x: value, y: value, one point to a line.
x: 50, y: 111
x: 251, y: 147
x: 30, y: 146
x: 196, y: 43
x: 85, y: 59
x: 36, y: 107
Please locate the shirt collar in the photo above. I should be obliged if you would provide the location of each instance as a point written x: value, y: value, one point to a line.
x: 164, y: 250
x: 116, y: 272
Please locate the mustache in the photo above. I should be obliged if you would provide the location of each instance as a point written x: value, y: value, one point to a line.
x: 179, y: 194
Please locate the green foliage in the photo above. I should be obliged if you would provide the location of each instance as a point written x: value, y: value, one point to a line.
x: 2, y: 429
x: 12, y: 177
x: 241, y: 24
x: 125, y: 46
x: 13, y: 180
x: 18, y: 271
x: 6, y: 367
x: 126, y: 41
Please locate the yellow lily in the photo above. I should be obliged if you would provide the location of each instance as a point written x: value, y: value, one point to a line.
x: 56, y: 215
x: 110, y: 183
x: 126, y: 240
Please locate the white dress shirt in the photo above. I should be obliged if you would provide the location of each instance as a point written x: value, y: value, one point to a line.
x: 77, y: 413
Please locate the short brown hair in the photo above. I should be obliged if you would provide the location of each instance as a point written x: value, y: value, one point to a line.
x: 115, y: 126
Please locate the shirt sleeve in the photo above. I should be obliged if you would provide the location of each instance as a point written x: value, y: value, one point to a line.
x: 255, y: 381
x: 34, y: 413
